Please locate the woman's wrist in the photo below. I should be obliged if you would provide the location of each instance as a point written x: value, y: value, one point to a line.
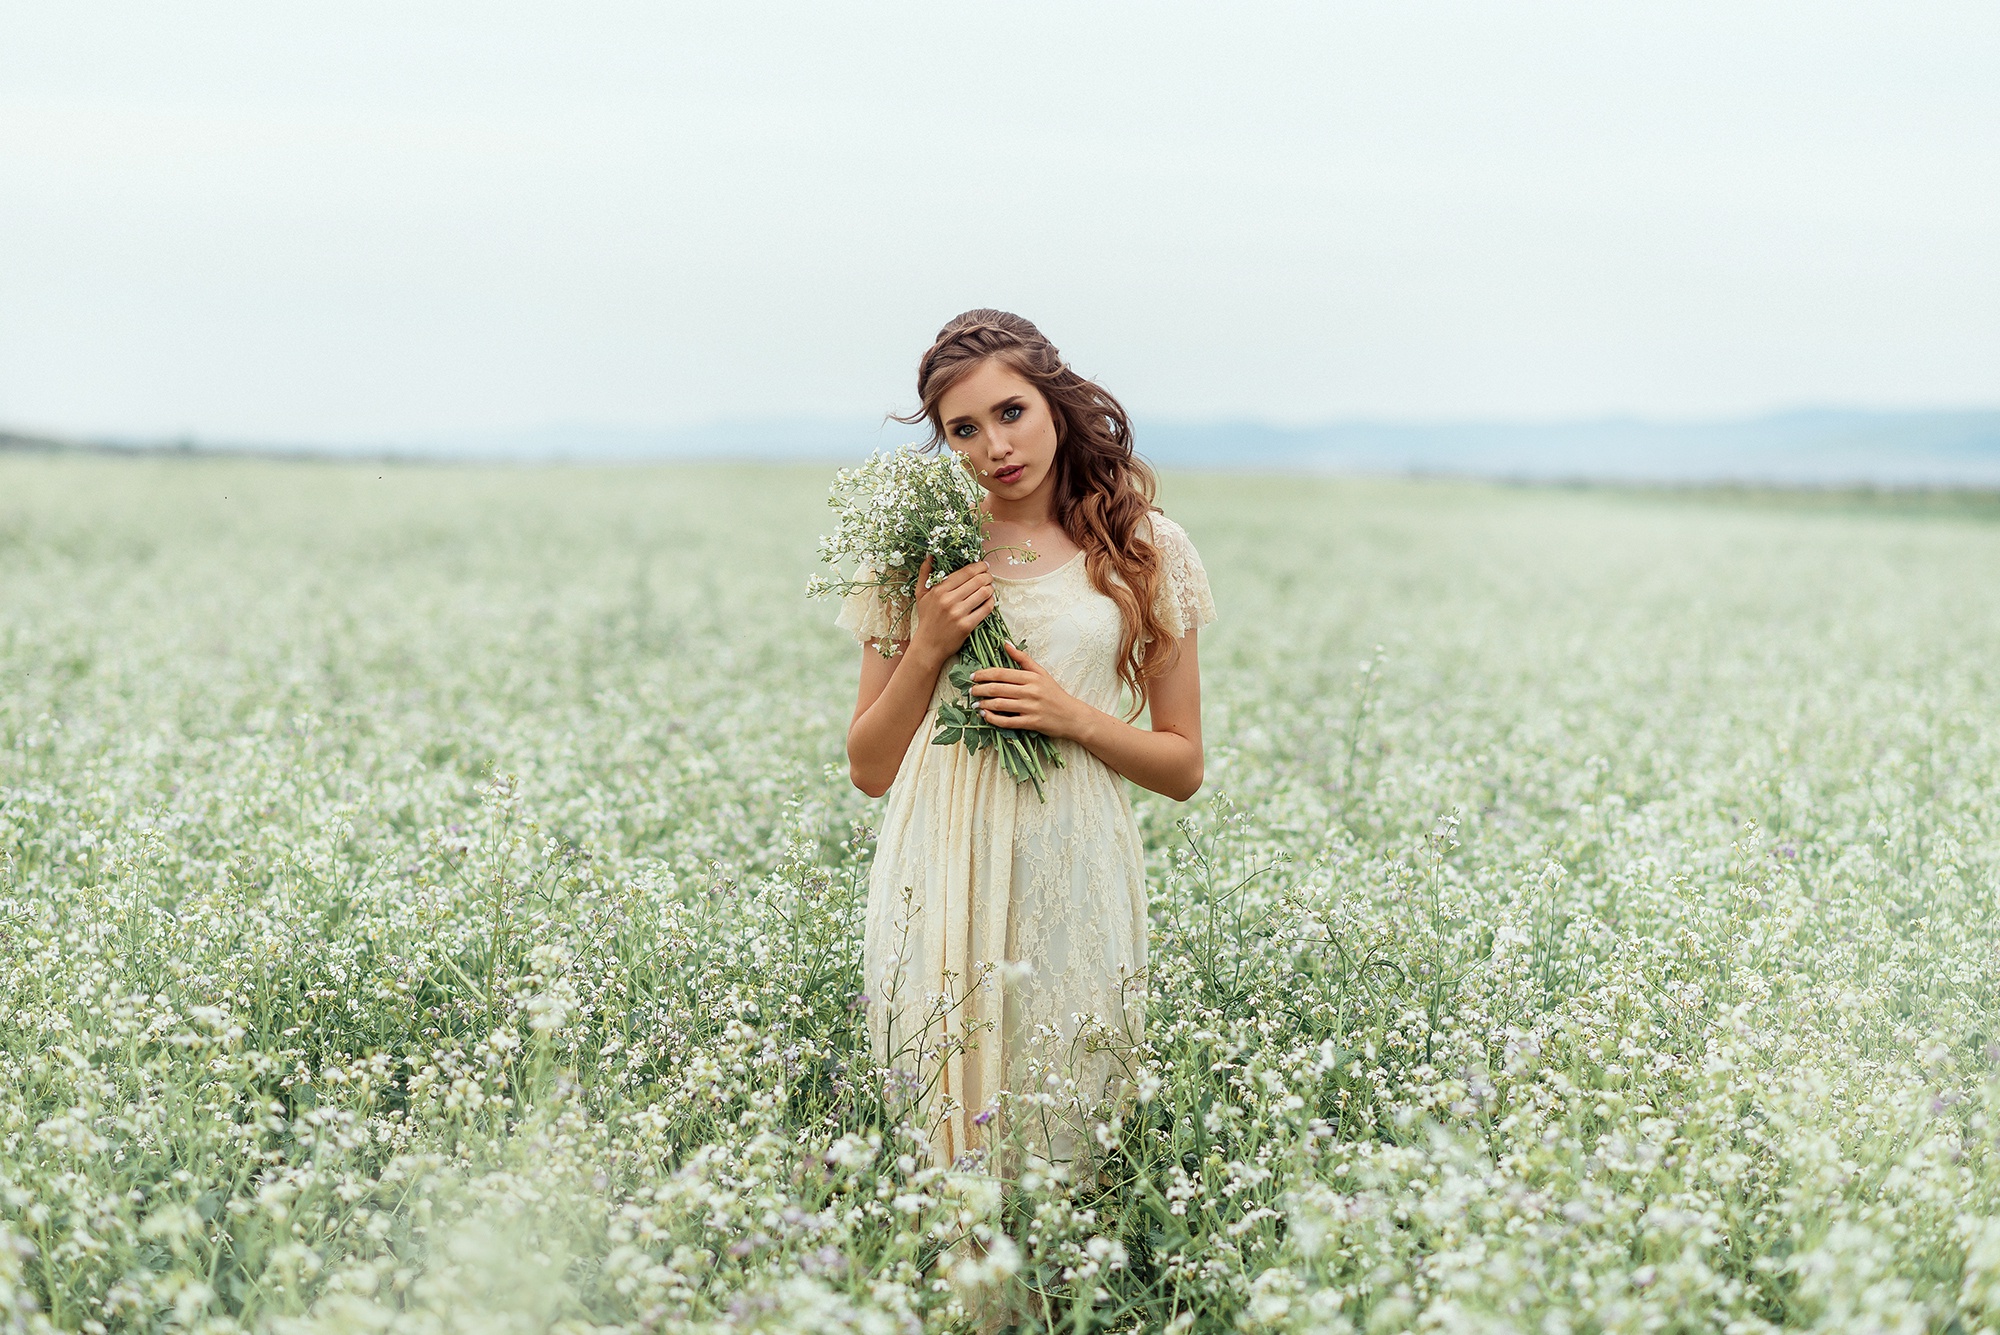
x: 1085, y: 726
x: 923, y: 658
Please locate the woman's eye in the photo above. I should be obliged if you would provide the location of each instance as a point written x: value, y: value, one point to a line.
x: 1010, y: 414
x: 964, y: 430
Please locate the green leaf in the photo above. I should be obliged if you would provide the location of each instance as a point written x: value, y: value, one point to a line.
x: 947, y: 737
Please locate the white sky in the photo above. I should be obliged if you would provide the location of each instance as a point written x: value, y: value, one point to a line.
x: 363, y: 221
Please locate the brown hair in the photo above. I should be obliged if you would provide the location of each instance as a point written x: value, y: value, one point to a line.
x: 1103, y: 489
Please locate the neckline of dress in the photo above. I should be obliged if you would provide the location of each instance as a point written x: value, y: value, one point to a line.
x: 1074, y: 557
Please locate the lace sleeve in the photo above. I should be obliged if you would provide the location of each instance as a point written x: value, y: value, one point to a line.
x: 869, y: 614
x: 1183, y: 602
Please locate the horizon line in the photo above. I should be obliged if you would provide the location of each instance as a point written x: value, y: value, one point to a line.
x: 19, y: 436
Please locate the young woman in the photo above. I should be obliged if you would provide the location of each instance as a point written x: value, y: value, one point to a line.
x: 1002, y: 931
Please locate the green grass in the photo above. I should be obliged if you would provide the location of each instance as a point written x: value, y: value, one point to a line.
x: 429, y: 901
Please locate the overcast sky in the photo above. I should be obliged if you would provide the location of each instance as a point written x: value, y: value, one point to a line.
x: 367, y: 222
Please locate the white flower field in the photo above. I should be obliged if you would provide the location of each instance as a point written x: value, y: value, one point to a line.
x: 429, y: 904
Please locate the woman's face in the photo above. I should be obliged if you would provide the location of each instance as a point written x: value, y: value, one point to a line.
x: 1001, y: 425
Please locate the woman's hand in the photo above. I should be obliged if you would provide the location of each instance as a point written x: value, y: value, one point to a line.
x: 946, y: 614
x: 1028, y: 697
x: 896, y: 692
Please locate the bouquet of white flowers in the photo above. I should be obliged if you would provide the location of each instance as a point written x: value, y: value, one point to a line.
x: 893, y: 510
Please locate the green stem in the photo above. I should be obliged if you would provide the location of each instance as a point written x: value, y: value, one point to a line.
x: 1026, y: 756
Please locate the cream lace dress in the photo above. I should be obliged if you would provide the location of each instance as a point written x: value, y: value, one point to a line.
x: 1006, y: 937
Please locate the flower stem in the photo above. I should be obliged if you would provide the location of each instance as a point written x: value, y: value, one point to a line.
x: 1026, y: 756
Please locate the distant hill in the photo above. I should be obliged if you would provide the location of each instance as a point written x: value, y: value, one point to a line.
x: 1819, y: 447
x: 771, y: 439
x: 20, y: 441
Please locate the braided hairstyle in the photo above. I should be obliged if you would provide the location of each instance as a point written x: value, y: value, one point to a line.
x: 1103, y: 489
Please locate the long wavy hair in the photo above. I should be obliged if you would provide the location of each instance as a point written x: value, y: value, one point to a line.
x: 1103, y: 489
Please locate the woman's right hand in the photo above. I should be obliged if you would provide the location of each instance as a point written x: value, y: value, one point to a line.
x: 896, y: 692
x: 946, y: 614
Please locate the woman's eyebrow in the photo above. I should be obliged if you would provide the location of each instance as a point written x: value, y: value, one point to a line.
x: 1010, y: 401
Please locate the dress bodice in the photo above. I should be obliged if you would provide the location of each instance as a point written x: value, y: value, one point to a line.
x: 1060, y: 620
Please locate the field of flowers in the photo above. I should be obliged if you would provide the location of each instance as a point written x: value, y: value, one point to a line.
x: 428, y: 903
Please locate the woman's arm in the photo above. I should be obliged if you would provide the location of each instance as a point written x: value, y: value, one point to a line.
x: 1166, y: 759
x: 896, y: 692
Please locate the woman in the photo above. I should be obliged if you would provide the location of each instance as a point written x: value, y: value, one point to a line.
x: 1006, y: 937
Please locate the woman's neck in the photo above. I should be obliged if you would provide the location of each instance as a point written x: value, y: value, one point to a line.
x: 1032, y: 511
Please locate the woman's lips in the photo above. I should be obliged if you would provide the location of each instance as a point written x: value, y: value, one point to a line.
x: 1008, y: 474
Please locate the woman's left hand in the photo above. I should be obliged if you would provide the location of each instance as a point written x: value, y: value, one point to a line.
x: 1026, y: 697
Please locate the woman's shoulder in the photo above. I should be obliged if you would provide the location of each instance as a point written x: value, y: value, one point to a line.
x: 1168, y: 538
x: 1183, y: 601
